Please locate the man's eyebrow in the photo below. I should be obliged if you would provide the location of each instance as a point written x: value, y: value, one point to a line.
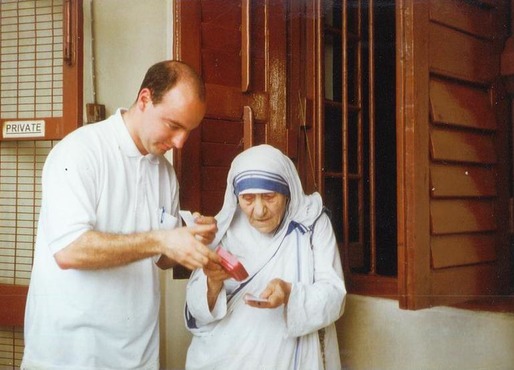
x: 174, y: 123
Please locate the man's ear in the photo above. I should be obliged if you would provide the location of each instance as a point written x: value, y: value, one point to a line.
x: 144, y: 98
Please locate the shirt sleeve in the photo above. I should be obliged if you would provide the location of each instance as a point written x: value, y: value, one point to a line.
x: 69, y: 195
x: 318, y: 304
x: 198, y: 315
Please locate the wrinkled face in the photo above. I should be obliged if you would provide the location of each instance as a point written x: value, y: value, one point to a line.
x: 167, y: 125
x: 264, y: 211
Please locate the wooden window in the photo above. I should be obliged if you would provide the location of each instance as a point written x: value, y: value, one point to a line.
x: 41, y: 68
x: 40, y: 82
x: 413, y: 145
x: 21, y: 163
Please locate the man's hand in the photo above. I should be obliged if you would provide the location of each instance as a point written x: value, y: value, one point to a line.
x: 208, y: 236
x: 182, y: 245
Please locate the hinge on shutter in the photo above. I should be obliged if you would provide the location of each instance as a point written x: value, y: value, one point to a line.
x: 67, y: 37
x: 247, y: 127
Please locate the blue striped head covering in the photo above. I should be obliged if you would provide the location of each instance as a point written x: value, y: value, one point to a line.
x: 259, y: 181
x: 264, y: 169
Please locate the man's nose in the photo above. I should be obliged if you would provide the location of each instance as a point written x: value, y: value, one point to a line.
x: 179, y: 139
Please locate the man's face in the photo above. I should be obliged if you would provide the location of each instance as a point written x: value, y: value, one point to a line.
x: 168, y: 124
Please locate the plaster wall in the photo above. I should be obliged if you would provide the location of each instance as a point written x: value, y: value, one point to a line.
x: 375, y: 334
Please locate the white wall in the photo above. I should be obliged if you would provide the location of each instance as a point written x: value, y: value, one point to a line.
x: 175, y: 338
x: 129, y: 36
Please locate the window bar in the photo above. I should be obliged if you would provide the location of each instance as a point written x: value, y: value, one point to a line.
x: 344, y: 125
x: 371, y: 109
x: 319, y: 68
x: 353, y: 39
x: 360, y: 170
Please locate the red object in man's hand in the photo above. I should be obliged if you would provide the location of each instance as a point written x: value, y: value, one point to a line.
x: 231, y: 264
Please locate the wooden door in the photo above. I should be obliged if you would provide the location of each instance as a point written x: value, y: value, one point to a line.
x: 239, y: 48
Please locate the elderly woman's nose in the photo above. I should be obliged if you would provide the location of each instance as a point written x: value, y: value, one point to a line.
x: 259, y: 206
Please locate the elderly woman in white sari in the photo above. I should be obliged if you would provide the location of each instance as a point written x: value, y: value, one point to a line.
x: 282, y: 315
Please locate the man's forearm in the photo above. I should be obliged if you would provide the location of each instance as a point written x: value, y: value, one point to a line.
x: 97, y: 250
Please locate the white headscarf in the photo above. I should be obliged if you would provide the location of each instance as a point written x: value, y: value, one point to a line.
x: 263, y: 168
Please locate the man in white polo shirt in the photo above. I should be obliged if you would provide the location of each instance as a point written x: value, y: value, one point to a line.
x: 109, y: 218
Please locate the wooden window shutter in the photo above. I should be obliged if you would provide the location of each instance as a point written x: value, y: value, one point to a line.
x: 453, y: 137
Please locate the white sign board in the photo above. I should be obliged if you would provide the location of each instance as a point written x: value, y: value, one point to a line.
x: 23, y: 129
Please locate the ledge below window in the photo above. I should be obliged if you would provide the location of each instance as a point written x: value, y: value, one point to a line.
x: 503, y: 304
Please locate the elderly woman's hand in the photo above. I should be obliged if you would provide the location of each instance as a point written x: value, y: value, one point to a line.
x: 276, y: 293
x: 215, y: 274
x: 215, y: 277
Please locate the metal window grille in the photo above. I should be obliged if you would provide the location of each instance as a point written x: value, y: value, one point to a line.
x: 11, y: 347
x: 21, y: 163
x: 31, y: 52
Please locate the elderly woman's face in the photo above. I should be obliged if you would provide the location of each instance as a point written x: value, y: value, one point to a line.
x: 264, y: 211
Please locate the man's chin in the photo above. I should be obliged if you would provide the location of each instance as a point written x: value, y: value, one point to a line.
x: 160, y: 150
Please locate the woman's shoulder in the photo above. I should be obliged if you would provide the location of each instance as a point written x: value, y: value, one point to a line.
x: 322, y: 225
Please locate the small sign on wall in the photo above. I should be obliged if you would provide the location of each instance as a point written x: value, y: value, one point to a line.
x: 23, y: 129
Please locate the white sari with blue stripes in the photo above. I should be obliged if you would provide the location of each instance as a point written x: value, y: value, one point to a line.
x: 302, y: 251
